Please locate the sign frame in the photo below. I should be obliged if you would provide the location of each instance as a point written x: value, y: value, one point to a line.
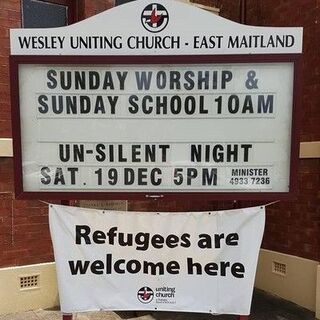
x: 17, y: 60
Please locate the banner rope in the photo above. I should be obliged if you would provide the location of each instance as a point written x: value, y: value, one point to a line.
x: 271, y: 203
x: 45, y: 202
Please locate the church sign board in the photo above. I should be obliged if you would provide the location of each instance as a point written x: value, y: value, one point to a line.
x: 155, y: 100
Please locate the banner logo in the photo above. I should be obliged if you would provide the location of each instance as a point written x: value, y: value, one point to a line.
x: 165, y: 295
x: 145, y: 295
x: 154, y: 17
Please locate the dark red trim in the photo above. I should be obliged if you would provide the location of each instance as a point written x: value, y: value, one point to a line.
x: 78, y: 60
x: 243, y: 11
x: 177, y: 59
x: 165, y: 196
x: 295, y: 132
x: 16, y: 129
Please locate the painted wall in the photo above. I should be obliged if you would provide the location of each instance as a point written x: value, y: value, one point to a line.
x: 18, y: 293
x: 295, y: 280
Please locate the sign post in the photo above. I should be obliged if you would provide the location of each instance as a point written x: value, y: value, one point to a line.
x: 103, y: 109
x: 136, y: 103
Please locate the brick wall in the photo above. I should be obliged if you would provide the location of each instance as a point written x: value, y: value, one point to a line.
x: 292, y: 227
x: 305, y: 13
x: 24, y: 227
x: 9, y: 18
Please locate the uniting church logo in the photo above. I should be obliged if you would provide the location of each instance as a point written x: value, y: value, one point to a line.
x: 145, y: 295
x: 154, y: 17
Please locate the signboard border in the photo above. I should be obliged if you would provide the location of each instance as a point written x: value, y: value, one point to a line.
x: 16, y: 60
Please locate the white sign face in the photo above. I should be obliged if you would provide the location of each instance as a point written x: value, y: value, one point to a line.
x: 196, y: 261
x: 156, y: 128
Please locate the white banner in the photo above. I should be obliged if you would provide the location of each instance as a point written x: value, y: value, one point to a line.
x: 194, y: 262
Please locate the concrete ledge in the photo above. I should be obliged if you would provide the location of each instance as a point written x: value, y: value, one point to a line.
x: 18, y: 291
x: 6, y: 147
x: 289, y: 277
x: 310, y: 149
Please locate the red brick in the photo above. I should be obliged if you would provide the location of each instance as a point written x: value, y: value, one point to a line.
x: 10, y: 5
x: 10, y: 15
x: 5, y: 212
x: 5, y: 129
x: 9, y: 23
x: 30, y: 204
x: 29, y: 211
